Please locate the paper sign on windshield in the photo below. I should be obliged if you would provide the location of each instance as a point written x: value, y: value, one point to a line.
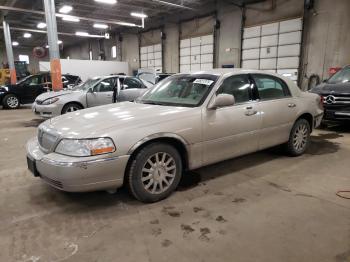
x: 206, y: 82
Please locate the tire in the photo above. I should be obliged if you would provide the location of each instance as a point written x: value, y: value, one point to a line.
x: 71, y: 107
x: 299, y: 138
x: 148, y: 179
x: 11, y: 101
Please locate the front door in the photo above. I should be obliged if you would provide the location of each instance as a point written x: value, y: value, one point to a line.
x: 278, y: 109
x: 102, y: 92
x: 232, y: 131
x: 31, y: 88
x: 131, y: 88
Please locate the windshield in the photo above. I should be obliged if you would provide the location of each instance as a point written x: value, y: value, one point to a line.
x: 342, y: 76
x: 87, y: 84
x: 180, y: 90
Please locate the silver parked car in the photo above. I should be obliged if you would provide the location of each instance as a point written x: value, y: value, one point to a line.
x: 94, y: 92
x: 184, y: 122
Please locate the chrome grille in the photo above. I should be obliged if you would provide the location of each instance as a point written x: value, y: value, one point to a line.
x: 46, y: 140
x: 336, y: 100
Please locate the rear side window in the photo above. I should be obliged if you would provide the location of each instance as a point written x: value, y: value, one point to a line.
x: 238, y: 86
x: 270, y: 87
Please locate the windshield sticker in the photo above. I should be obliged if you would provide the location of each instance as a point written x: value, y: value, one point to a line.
x: 206, y: 82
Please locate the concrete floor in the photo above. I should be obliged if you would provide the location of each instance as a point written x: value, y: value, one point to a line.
x: 261, y: 207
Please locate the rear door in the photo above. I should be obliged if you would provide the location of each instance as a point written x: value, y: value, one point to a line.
x: 102, y: 92
x: 131, y: 88
x: 277, y: 107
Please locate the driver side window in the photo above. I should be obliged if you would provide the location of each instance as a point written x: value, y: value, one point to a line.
x: 106, y: 85
x: 238, y: 86
x: 35, y: 80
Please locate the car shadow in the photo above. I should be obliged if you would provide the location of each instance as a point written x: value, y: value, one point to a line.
x: 32, y: 123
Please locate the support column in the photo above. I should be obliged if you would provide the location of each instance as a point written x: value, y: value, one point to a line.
x: 9, y: 52
x: 55, y: 64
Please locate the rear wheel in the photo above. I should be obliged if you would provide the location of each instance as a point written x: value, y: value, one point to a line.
x: 71, y: 107
x: 299, y: 138
x: 11, y: 101
x: 155, y: 172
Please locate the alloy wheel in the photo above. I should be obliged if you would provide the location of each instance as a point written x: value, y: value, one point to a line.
x: 300, y: 137
x: 72, y: 109
x: 158, y: 173
x: 12, y: 102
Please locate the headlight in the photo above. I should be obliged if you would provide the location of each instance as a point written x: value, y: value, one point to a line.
x: 50, y: 101
x: 85, y: 147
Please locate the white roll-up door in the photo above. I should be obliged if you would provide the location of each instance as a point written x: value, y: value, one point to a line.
x: 196, y: 53
x: 273, y: 47
x: 151, y: 57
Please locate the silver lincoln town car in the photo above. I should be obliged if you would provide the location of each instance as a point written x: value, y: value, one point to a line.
x: 184, y: 122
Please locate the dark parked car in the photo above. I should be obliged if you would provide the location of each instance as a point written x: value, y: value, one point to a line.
x: 27, y: 89
x: 336, y: 96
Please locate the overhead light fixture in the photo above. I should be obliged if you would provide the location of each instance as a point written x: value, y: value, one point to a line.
x: 111, y: 2
x: 15, y: 43
x: 101, y: 26
x: 27, y: 35
x: 41, y: 25
x: 70, y: 18
x: 139, y: 15
x: 65, y: 9
x: 126, y: 24
x: 82, y: 34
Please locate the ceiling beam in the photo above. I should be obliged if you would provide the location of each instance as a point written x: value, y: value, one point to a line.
x: 15, y: 9
x: 44, y: 32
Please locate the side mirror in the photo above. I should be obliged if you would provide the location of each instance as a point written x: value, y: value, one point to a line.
x: 222, y: 100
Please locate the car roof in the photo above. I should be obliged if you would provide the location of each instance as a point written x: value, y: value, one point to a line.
x: 236, y: 71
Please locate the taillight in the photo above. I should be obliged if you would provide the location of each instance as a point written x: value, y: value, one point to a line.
x: 321, y: 102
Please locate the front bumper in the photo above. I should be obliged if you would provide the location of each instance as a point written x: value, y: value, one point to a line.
x: 76, y: 174
x: 336, y: 115
x: 47, y: 111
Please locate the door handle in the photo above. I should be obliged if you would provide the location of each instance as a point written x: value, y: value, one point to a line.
x: 291, y: 105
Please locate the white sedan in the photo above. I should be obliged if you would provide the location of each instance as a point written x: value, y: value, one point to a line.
x: 94, y: 92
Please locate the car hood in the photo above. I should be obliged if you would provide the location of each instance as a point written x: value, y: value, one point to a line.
x: 326, y: 88
x: 6, y: 88
x: 104, y: 120
x: 53, y: 94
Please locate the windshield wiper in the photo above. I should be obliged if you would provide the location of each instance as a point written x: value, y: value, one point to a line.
x: 152, y: 103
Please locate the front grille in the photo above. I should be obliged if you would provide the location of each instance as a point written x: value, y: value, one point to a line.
x: 53, y: 182
x: 336, y: 100
x: 46, y: 140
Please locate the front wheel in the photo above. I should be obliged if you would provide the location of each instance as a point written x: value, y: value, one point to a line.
x: 154, y: 173
x: 71, y: 107
x: 299, y: 138
x: 11, y: 102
